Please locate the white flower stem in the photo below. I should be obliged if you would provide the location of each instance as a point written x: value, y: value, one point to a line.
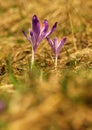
x: 32, y: 59
x: 55, y: 62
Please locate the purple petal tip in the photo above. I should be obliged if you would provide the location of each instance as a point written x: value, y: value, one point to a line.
x: 31, y: 33
x: 65, y: 39
x: 55, y: 25
x: 34, y: 16
x: 35, y: 19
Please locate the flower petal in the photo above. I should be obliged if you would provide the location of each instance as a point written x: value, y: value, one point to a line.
x: 26, y: 35
x: 45, y: 28
x: 52, y: 30
x: 43, y: 31
x: 33, y: 41
x: 62, y: 42
x: 50, y: 42
x: 31, y: 37
x: 60, y: 45
x: 35, y: 27
x: 55, y: 44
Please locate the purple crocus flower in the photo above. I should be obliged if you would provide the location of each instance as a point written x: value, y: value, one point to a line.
x: 56, y: 46
x: 37, y: 34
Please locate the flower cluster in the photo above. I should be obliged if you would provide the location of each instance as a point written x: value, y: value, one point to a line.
x: 38, y: 33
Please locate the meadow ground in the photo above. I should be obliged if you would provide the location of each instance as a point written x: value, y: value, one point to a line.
x: 45, y: 98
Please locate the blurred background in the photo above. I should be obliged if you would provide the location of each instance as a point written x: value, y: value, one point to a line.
x: 72, y: 15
